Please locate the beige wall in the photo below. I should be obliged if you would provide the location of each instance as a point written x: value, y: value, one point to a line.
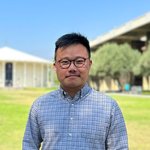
x: 19, y: 75
x: 29, y: 75
x: 38, y: 75
x: 26, y: 74
x: 107, y: 84
x: 1, y: 75
x: 146, y: 83
x: 45, y: 72
x: 111, y: 85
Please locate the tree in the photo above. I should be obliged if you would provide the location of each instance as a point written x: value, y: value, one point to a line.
x: 143, y: 66
x: 115, y: 61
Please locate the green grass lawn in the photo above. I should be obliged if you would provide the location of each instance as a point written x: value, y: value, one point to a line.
x: 15, y: 105
x: 136, y: 111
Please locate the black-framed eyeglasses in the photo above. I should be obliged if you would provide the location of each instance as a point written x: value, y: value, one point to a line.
x: 78, y: 62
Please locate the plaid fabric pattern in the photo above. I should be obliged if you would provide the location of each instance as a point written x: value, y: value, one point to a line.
x: 89, y: 121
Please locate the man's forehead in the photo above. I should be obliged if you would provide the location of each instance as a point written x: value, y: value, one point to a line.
x: 72, y: 51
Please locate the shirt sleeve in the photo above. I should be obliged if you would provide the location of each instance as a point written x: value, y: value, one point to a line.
x: 32, y: 137
x: 117, y: 134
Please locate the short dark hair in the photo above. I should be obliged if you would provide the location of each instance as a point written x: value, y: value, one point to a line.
x: 70, y: 39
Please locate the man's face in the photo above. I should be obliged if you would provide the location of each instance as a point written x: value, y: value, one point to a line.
x: 73, y: 76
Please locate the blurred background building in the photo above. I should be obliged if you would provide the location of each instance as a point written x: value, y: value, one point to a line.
x: 19, y: 69
x: 137, y: 34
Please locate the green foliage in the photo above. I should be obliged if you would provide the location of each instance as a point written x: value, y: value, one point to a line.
x: 102, y: 60
x: 143, y: 66
x: 114, y: 60
x: 125, y: 59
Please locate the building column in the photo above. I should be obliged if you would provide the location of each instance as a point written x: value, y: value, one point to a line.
x: 42, y: 75
x: 14, y: 75
x: 137, y: 45
x: 34, y: 74
x: 47, y: 78
x: 145, y: 83
x: 148, y: 39
x: 52, y: 77
x: 3, y: 74
x: 25, y: 75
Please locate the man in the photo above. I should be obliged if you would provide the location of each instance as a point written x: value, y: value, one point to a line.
x: 74, y: 117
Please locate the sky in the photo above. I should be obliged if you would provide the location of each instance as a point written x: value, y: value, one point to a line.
x: 33, y: 26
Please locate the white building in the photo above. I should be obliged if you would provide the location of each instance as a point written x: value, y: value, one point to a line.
x: 19, y: 69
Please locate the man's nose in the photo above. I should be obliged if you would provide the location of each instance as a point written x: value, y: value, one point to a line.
x: 72, y: 66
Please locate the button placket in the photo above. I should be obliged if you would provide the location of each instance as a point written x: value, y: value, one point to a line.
x: 71, y: 118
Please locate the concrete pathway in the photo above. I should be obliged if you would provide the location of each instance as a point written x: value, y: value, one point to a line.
x: 129, y: 94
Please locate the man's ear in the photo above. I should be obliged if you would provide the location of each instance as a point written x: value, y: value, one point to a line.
x: 90, y: 63
x: 54, y: 66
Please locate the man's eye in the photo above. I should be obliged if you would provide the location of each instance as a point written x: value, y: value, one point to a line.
x: 79, y: 61
x: 64, y: 62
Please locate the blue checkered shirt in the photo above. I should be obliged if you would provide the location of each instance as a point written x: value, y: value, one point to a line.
x: 89, y: 121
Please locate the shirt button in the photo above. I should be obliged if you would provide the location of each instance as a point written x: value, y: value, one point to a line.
x: 70, y: 134
x: 71, y: 118
x: 72, y: 104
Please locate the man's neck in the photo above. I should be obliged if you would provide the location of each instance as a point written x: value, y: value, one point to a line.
x: 72, y: 91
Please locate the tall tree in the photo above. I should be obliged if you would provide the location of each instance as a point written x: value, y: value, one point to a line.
x: 115, y: 61
x: 143, y: 66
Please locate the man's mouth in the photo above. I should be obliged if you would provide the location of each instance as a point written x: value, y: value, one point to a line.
x: 72, y: 76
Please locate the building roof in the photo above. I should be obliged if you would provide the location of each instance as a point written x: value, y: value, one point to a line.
x: 10, y: 54
x: 133, y: 30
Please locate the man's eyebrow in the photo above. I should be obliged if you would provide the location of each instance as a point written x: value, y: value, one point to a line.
x: 72, y: 59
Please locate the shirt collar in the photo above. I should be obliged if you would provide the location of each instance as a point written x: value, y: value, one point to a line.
x: 80, y: 94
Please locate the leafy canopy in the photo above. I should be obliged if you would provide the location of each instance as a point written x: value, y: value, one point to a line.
x: 114, y: 60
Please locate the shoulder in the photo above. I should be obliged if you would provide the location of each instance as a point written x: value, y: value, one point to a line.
x: 102, y: 99
x: 42, y: 103
x: 100, y: 96
x: 46, y: 98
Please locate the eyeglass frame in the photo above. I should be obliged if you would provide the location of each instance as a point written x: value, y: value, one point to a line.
x: 70, y: 62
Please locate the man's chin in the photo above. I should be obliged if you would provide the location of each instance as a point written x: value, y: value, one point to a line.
x: 74, y: 84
